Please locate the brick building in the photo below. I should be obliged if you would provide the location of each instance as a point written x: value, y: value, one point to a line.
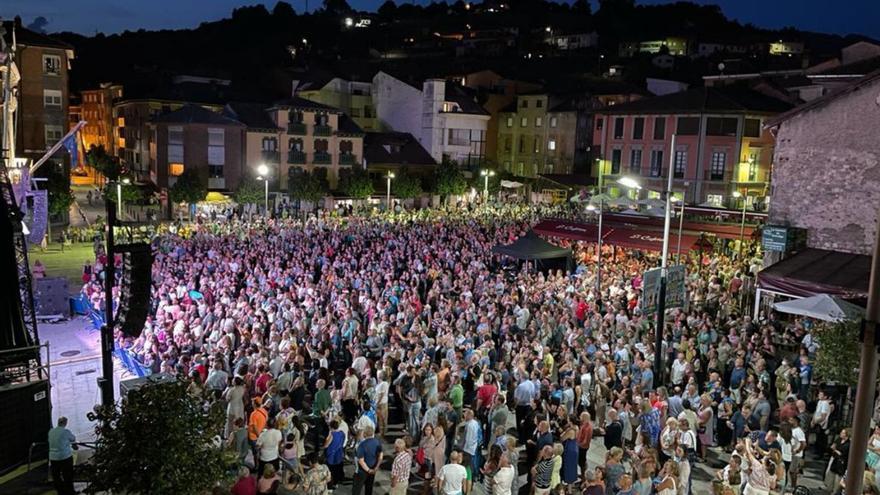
x: 826, y: 172
x: 721, y: 144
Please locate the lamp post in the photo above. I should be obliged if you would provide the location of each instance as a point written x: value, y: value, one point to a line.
x: 486, y: 174
x: 681, y: 222
x: 388, y: 190
x: 263, y: 170
x: 119, y: 183
x: 661, y: 296
x: 742, y: 225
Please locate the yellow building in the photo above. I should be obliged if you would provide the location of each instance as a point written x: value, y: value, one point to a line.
x: 537, y: 135
x: 298, y: 133
x: 351, y: 97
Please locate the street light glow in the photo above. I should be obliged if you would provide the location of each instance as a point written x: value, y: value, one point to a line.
x: 591, y: 207
x: 390, y: 175
x: 629, y: 182
x: 263, y: 170
x: 126, y: 180
x: 737, y: 194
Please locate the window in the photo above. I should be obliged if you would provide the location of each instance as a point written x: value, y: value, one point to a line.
x: 687, y: 126
x: 524, y: 122
x: 54, y: 133
x: 520, y: 169
x: 537, y: 146
x: 656, y: 162
x: 507, y: 144
x: 524, y: 104
x: 522, y: 144
x: 618, y: 128
x: 355, y: 112
x: 754, y: 157
x: 52, y: 98
x: 615, y: 161
x: 718, y: 126
x: 638, y: 128
x: 752, y: 128
x: 635, y: 161
x: 551, y: 145
x: 269, y: 144
x: 346, y: 147
x: 509, y: 121
x: 51, y: 65
x: 539, y: 103
x: 368, y: 112
x: 681, y: 158
x: 175, y: 169
x: 321, y: 145
x: 295, y: 145
x: 715, y: 199
x: 459, y: 137
x: 599, y: 123
x: 217, y: 152
x: 660, y: 128
x: 553, y: 121
x: 539, y: 121
x: 719, y: 159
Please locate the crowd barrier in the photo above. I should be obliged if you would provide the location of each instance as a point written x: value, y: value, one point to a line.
x: 129, y: 361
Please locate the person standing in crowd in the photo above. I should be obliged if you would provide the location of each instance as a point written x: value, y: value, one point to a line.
x: 368, y: 458
x: 61, y: 447
x: 400, y: 468
x: 453, y: 477
x: 269, y: 447
x: 334, y: 446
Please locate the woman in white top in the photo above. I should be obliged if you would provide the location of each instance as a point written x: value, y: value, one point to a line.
x: 684, y: 471
x: 668, y: 479
x: 234, y: 396
x: 668, y: 438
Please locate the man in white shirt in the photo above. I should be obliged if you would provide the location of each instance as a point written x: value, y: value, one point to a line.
x: 503, y: 478
x: 381, y: 403
x: 453, y: 476
x: 269, y: 444
x: 798, y: 446
x: 218, y: 379
x: 679, y: 366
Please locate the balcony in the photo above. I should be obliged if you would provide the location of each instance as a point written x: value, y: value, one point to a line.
x: 269, y: 156
x: 297, y: 128
x: 347, y: 159
x: 296, y: 157
x: 322, y: 130
x: 321, y: 157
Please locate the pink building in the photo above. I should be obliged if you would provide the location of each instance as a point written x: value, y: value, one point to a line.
x: 721, y: 145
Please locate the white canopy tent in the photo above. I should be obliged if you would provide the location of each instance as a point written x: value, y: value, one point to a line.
x: 822, y: 307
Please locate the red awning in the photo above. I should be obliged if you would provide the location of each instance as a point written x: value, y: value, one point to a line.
x: 648, y: 240
x: 568, y: 230
x: 724, y: 231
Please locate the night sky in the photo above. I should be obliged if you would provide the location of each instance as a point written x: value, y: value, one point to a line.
x: 112, y: 16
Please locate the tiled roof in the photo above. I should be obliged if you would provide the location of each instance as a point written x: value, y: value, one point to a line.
x: 399, y: 148
x: 194, y: 114
x: 464, y: 98
x: 303, y: 104
x: 25, y: 36
x: 871, y: 78
x: 704, y: 100
x: 253, y: 115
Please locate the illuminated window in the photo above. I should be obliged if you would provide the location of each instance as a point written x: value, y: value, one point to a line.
x: 51, y: 65
x: 524, y: 122
x: 551, y: 145
x: 120, y: 122
x: 539, y: 121
x: 175, y: 169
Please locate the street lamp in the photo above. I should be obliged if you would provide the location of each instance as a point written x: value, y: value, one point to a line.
x: 486, y: 174
x: 681, y: 221
x: 625, y: 182
x: 119, y: 183
x: 742, y: 225
x: 263, y: 170
x: 661, y: 296
x: 388, y: 190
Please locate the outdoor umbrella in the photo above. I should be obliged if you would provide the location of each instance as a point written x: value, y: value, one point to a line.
x: 822, y: 307
x: 623, y: 201
x: 653, y: 202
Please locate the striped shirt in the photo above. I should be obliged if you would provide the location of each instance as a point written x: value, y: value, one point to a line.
x: 401, y: 467
x: 543, y: 473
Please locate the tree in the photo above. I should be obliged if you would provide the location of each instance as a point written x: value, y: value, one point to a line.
x: 336, y: 6
x: 449, y: 179
x: 304, y: 186
x: 357, y: 184
x: 838, y: 355
x: 106, y: 164
x: 283, y: 10
x: 387, y: 10
x: 189, y: 188
x: 250, y: 191
x: 406, y: 185
x: 59, y: 193
x: 159, y: 440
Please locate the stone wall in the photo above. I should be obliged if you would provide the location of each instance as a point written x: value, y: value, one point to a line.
x: 826, y: 172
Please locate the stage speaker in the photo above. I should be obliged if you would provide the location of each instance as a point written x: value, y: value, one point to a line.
x: 134, y: 300
x: 132, y: 385
x: 25, y: 419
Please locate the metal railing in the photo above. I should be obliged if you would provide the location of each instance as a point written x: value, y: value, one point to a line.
x: 322, y: 130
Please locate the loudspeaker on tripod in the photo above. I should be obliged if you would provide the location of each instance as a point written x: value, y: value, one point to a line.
x: 134, y: 299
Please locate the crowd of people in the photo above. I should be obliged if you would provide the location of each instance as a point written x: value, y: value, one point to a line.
x: 318, y: 333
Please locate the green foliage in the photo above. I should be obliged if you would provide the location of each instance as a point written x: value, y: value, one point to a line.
x: 189, y: 188
x: 250, y: 191
x: 159, y: 440
x: 106, y: 164
x: 405, y: 185
x: 130, y: 193
x: 357, y: 184
x: 449, y: 179
x: 837, y: 359
x: 59, y: 193
x: 304, y: 186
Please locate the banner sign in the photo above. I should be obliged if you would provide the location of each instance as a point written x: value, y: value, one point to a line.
x: 676, y: 288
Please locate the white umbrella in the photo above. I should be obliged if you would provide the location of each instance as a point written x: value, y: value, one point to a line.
x: 656, y: 212
x: 631, y: 212
x: 822, y: 307
x: 652, y: 202
x: 623, y: 201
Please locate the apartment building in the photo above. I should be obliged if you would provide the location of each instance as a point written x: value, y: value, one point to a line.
x: 193, y: 137
x: 721, y: 145
x: 537, y: 135
x: 96, y: 108
x: 354, y: 98
x: 443, y: 116
x: 42, y: 113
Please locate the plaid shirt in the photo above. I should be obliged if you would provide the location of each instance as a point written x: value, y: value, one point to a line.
x: 401, y: 466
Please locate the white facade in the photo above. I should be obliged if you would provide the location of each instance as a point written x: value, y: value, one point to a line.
x: 440, y: 126
x: 576, y: 41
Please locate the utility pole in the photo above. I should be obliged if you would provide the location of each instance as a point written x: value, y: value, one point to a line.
x: 867, y: 378
x: 105, y: 383
x: 661, y: 297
